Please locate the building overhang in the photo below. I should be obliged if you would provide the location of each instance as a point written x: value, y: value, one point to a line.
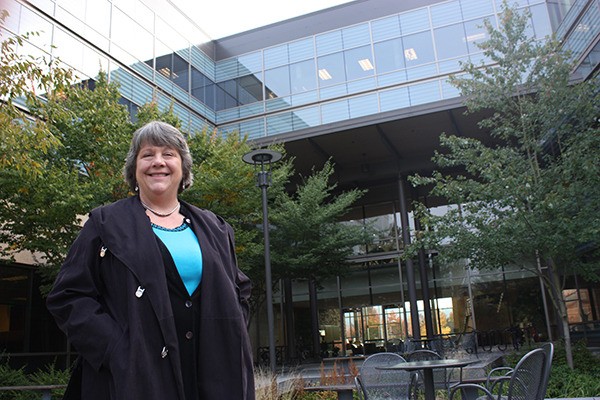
x: 373, y: 152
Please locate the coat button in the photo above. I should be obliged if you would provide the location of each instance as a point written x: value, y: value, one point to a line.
x: 189, y: 335
x: 139, y: 292
x: 188, y: 304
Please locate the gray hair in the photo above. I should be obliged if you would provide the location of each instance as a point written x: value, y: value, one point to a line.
x: 157, y: 133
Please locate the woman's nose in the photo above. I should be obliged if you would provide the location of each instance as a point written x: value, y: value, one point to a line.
x: 158, y: 160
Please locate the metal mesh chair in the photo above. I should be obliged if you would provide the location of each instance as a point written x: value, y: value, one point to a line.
x: 440, y: 375
x: 549, y: 350
x: 527, y: 381
x: 377, y: 384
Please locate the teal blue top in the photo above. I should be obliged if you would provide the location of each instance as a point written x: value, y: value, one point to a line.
x: 185, y: 250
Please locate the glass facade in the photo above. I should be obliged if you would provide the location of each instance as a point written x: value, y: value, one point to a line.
x: 376, y: 66
x: 385, y: 64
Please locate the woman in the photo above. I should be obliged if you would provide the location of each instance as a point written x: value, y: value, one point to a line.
x: 150, y: 294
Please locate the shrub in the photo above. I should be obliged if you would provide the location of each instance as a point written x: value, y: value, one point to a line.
x: 18, y: 377
x: 581, y: 381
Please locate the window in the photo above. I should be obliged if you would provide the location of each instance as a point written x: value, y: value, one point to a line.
x: 180, y: 73
x: 249, y: 89
x: 359, y: 63
x: 331, y: 69
x: 389, y: 56
x: 303, y: 76
x: 226, y: 95
x: 418, y: 49
x: 450, y: 41
x: 475, y: 33
x: 277, y: 82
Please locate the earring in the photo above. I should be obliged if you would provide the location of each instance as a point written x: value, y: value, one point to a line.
x: 182, y: 185
x: 136, y: 187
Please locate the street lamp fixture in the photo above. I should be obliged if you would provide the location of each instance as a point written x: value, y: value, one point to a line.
x: 264, y: 158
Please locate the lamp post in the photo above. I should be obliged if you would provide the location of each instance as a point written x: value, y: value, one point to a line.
x: 262, y: 157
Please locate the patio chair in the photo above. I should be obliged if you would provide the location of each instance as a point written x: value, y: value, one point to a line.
x: 440, y: 375
x: 378, y: 384
x: 527, y: 381
x: 498, y: 372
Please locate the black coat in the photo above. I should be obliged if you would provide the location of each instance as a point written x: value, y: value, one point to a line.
x: 111, y: 300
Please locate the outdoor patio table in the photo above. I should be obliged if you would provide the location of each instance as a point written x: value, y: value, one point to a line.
x: 427, y: 366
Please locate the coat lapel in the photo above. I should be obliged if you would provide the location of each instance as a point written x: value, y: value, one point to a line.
x: 126, y: 232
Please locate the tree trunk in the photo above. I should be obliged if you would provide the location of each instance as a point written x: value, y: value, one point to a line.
x: 290, y: 330
x: 314, y: 316
x: 561, y: 308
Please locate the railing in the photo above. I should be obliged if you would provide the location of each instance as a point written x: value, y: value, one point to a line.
x: 46, y: 390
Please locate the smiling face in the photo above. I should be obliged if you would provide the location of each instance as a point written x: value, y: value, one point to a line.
x: 158, y: 172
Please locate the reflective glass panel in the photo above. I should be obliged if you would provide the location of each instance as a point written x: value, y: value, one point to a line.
x: 305, y: 118
x: 475, y: 33
x: 414, y: 21
x: 250, y: 63
x: 331, y: 69
x: 301, y: 50
x: 418, y: 49
x: 180, y: 74
x: 450, y: 41
x: 279, y: 123
x: 170, y: 36
x: 541, y: 21
x: 363, y: 105
x: 277, y: 82
x: 336, y: 111
x: 74, y: 7
x: 93, y: 62
x: 385, y: 28
x: 354, y: 36
x: 477, y: 8
x: 70, y: 50
x: 98, y: 16
x: 249, y: 89
x: 329, y: 42
x: 275, y: 56
x: 199, y: 85
x: 389, y: 56
x: 31, y: 22
x: 446, y: 13
x: 359, y: 63
x: 303, y: 76
x: 225, y: 95
x: 131, y: 37
x: 394, y: 99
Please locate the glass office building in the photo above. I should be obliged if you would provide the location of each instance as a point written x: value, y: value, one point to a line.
x: 364, y: 84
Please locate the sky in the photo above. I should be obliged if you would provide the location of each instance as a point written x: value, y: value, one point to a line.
x: 243, y: 15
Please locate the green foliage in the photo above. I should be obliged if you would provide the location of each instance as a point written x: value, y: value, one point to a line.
x: 226, y: 185
x: 535, y: 191
x: 308, y: 240
x: 65, y: 158
x: 41, y: 213
x: 50, y: 375
x: 581, y: 381
x: 23, y: 79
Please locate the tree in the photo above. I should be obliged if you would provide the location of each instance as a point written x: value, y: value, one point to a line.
x: 82, y: 172
x: 226, y: 185
x: 532, y: 199
x: 26, y: 141
x: 308, y: 240
x: 23, y: 80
